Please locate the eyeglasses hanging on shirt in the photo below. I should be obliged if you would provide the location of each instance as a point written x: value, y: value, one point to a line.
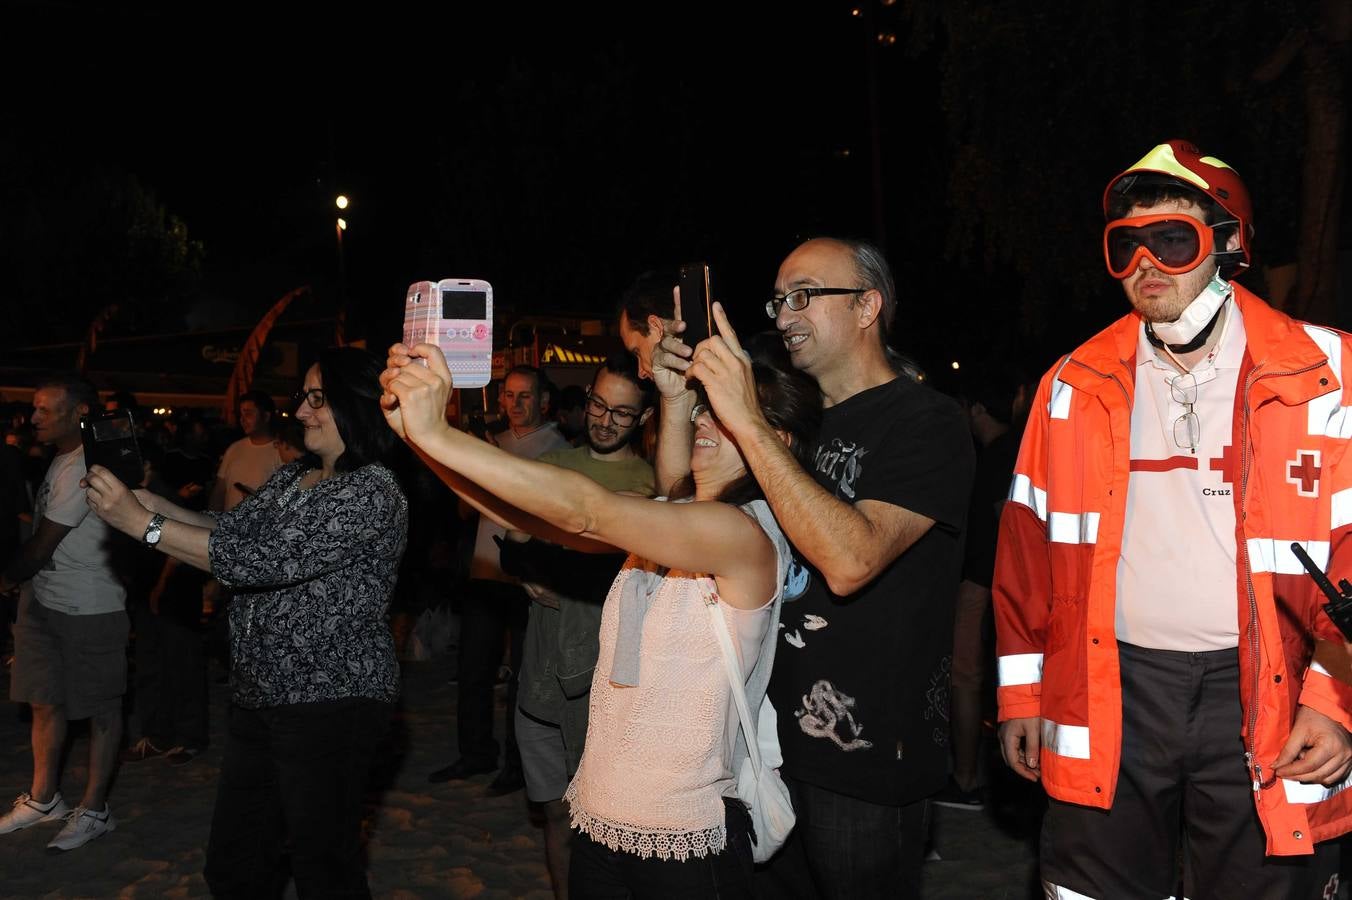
x: 1187, y: 429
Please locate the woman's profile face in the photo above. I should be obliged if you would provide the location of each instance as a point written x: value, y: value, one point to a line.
x: 321, y: 432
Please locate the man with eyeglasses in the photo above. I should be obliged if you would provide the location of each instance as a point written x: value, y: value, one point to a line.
x: 1154, y: 630
x: 251, y: 460
x: 568, y: 587
x: 860, y: 680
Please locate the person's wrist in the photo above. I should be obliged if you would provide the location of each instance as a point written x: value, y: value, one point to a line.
x: 685, y: 397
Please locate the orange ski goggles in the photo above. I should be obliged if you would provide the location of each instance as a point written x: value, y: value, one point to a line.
x: 1175, y: 243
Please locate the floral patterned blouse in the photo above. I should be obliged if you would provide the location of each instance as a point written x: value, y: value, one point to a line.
x: 312, y: 571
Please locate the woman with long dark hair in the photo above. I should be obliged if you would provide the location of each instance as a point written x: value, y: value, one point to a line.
x: 654, y: 795
x: 311, y: 559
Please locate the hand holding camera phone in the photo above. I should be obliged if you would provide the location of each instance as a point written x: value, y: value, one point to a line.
x: 455, y: 314
x: 110, y: 441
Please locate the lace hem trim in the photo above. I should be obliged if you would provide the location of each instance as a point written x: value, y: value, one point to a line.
x: 665, y: 845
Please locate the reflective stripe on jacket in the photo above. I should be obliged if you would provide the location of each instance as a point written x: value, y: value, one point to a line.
x: 1061, y: 536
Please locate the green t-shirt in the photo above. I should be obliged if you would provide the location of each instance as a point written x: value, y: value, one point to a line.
x: 632, y: 474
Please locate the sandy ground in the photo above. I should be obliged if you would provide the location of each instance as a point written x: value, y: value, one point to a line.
x: 447, y: 840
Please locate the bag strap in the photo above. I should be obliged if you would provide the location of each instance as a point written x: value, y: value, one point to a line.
x: 734, y: 673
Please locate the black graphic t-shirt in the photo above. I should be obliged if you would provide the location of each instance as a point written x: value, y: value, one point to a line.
x: 860, y: 683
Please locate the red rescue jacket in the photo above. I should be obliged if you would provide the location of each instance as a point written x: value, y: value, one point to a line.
x: 1061, y: 535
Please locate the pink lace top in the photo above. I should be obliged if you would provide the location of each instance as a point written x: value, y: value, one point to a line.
x: 660, y: 756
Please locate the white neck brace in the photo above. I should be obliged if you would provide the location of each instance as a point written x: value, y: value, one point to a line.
x: 1198, y: 313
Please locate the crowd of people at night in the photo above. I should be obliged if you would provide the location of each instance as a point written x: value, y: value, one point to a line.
x: 771, y: 571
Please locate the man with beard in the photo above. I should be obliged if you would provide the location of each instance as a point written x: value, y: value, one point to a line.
x: 1155, y: 631
x: 568, y: 588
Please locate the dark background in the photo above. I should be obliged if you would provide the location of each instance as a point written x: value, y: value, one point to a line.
x: 182, y: 161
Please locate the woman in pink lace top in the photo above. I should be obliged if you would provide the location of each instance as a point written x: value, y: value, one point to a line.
x: 654, y: 795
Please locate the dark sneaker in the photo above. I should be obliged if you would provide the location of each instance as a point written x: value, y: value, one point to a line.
x: 955, y: 797
x: 143, y: 749
x: 460, y: 769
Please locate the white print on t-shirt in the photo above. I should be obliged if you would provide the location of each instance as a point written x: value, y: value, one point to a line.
x: 813, y: 623
x: 796, y: 581
x: 810, y: 623
x: 841, y: 463
x: 826, y: 714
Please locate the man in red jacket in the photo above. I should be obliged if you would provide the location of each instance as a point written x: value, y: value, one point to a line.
x: 1154, y: 629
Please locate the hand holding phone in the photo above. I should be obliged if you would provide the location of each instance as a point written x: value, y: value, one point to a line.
x: 455, y: 314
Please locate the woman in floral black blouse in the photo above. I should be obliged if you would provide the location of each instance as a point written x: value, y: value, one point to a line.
x: 311, y: 558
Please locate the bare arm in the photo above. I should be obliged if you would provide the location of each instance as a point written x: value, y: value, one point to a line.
x: 157, y: 504
x: 34, y: 554
x: 850, y: 544
x: 113, y: 503
x: 703, y: 537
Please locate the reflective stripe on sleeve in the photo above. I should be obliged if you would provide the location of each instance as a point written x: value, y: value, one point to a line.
x: 1020, y: 668
x: 1022, y: 490
x: 1073, y: 528
x: 1299, y: 792
x: 1066, y: 740
x: 1327, y: 415
x: 1275, y: 556
x: 1340, y: 505
x: 1058, y: 407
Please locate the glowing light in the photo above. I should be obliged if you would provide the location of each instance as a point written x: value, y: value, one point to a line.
x: 855, y: 12
x: 342, y: 224
x: 955, y: 365
x: 341, y: 202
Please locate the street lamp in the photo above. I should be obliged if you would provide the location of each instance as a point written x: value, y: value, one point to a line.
x: 342, y: 203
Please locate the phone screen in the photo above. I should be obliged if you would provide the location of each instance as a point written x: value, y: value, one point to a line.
x: 464, y: 305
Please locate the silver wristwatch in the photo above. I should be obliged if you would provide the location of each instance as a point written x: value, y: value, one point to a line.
x: 153, y: 530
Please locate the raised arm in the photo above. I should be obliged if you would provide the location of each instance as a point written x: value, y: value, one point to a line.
x: 849, y: 543
x: 113, y: 503
x: 703, y: 537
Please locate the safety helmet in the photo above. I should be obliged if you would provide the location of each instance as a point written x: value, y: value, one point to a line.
x: 1181, y: 162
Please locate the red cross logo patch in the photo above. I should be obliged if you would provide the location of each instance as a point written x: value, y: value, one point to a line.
x: 1304, y: 472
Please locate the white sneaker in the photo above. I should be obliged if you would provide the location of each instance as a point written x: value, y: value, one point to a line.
x: 28, y: 811
x: 82, y: 826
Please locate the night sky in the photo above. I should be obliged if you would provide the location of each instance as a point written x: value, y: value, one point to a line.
x: 555, y: 152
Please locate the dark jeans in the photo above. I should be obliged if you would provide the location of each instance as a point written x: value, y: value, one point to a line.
x: 1183, y: 793
x: 598, y: 873
x: 490, y: 611
x: 847, y: 848
x: 170, y: 689
x: 294, y: 776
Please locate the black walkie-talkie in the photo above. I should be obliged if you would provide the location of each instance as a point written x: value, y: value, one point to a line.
x: 1339, y: 607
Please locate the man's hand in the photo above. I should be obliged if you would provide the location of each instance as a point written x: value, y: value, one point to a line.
x: 1319, y: 750
x: 724, y: 368
x: 671, y: 356
x: 1020, y: 744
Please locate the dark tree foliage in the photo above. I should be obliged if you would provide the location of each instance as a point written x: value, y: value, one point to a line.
x: 1043, y: 103
x: 78, y: 237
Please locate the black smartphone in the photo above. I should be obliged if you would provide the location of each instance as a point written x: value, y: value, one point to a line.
x: 110, y: 441
x: 696, y: 303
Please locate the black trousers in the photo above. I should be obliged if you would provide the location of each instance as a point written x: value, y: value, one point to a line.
x: 294, y: 777
x: 844, y: 847
x: 1184, y: 797
x: 491, y: 610
x: 595, y: 872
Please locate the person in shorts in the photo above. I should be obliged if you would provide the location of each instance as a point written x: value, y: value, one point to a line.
x: 70, y: 639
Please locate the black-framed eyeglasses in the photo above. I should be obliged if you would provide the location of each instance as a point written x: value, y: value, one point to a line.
x: 800, y: 298
x: 1187, y: 428
x: 620, y: 415
x: 312, y: 396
